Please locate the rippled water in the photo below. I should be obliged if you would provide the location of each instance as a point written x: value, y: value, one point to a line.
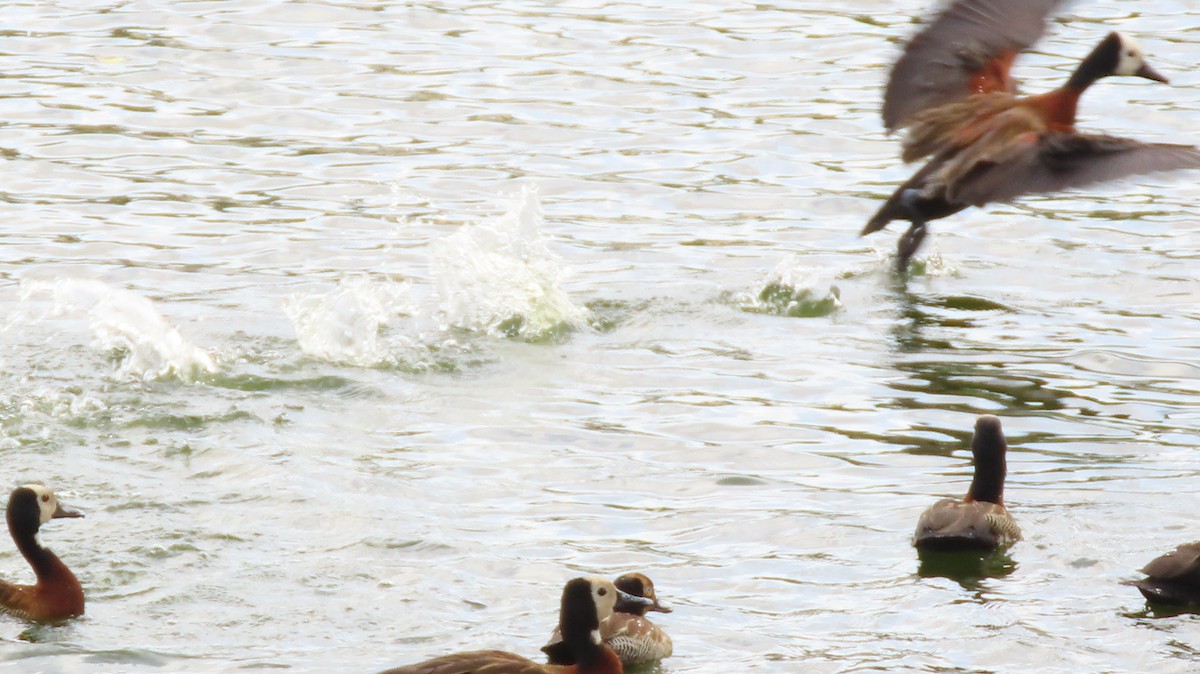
x: 357, y: 328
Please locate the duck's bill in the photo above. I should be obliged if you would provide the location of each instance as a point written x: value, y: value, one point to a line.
x: 628, y: 601
x: 62, y: 511
x: 659, y: 606
x: 1151, y: 74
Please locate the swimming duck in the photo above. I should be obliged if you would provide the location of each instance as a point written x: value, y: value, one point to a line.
x: 979, y: 521
x: 57, y: 594
x: 627, y: 631
x: 1173, y: 578
x: 952, y: 92
x: 586, y: 602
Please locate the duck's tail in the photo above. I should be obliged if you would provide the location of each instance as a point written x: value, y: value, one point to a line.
x: 891, y: 210
x: 908, y: 201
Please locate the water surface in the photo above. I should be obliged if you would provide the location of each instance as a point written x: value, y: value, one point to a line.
x: 358, y: 328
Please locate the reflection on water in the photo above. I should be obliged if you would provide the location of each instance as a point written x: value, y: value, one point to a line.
x: 966, y: 567
x: 948, y: 370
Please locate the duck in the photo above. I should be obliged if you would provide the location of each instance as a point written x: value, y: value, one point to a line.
x: 979, y: 521
x: 586, y: 602
x: 627, y: 631
x: 57, y: 594
x: 1173, y: 578
x: 953, y: 94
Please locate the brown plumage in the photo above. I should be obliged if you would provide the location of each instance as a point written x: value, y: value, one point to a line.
x: 57, y: 594
x: 952, y: 92
x: 979, y: 521
x: 968, y: 49
x: 627, y: 631
x: 1173, y: 578
x: 483, y: 662
x: 586, y: 602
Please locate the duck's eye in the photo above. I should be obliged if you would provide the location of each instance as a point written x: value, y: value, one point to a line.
x: 1131, y: 53
x: 45, y: 498
x: 602, y: 591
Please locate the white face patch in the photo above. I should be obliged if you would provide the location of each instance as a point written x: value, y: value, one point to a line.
x: 47, y: 503
x: 604, y: 594
x: 1130, y: 59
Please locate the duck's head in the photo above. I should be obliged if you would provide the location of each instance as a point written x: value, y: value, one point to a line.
x: 989, y: 437
x: 33, y: 505
x: 638, y: 585
x: 1125, y: 55
x: 586, y: 602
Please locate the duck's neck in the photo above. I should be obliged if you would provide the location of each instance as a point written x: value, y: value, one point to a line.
x: 592, y: 658
x: 988, y: 483
x: 45, y: 564
x: 986, y: 488
x: 586, y: 651
x: 1059, y: 107
x: 1100, y: 63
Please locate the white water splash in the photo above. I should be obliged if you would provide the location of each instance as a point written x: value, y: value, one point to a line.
x: 502, y: 278
x: 498, y: 279
x: 39, y: 415
x: 792, y: 289
x: 929, y: 263
x: 349, y: 323
x: 125, y: 321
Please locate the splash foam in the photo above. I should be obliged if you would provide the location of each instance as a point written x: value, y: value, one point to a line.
x: 791, y: 290
x: 127, y: 322
x: 349, y: 323
x: 501, y: 277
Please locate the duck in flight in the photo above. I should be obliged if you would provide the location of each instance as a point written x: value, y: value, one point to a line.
x: 952, y: 93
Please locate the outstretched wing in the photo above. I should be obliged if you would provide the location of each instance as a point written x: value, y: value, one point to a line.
x: 1052, y: 162
x: 968, y: 49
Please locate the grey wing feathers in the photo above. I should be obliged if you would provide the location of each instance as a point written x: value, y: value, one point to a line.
x: 1060, y: 161
x: 938, y: 63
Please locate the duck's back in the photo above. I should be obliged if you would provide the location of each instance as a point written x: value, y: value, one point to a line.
x: 1174, y: 577
x: 16, y: 600
x: 635, y: 639
x: 956, y: 124
x: 965, y: 525
x: 58, y: 597
x: 475, y: 662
